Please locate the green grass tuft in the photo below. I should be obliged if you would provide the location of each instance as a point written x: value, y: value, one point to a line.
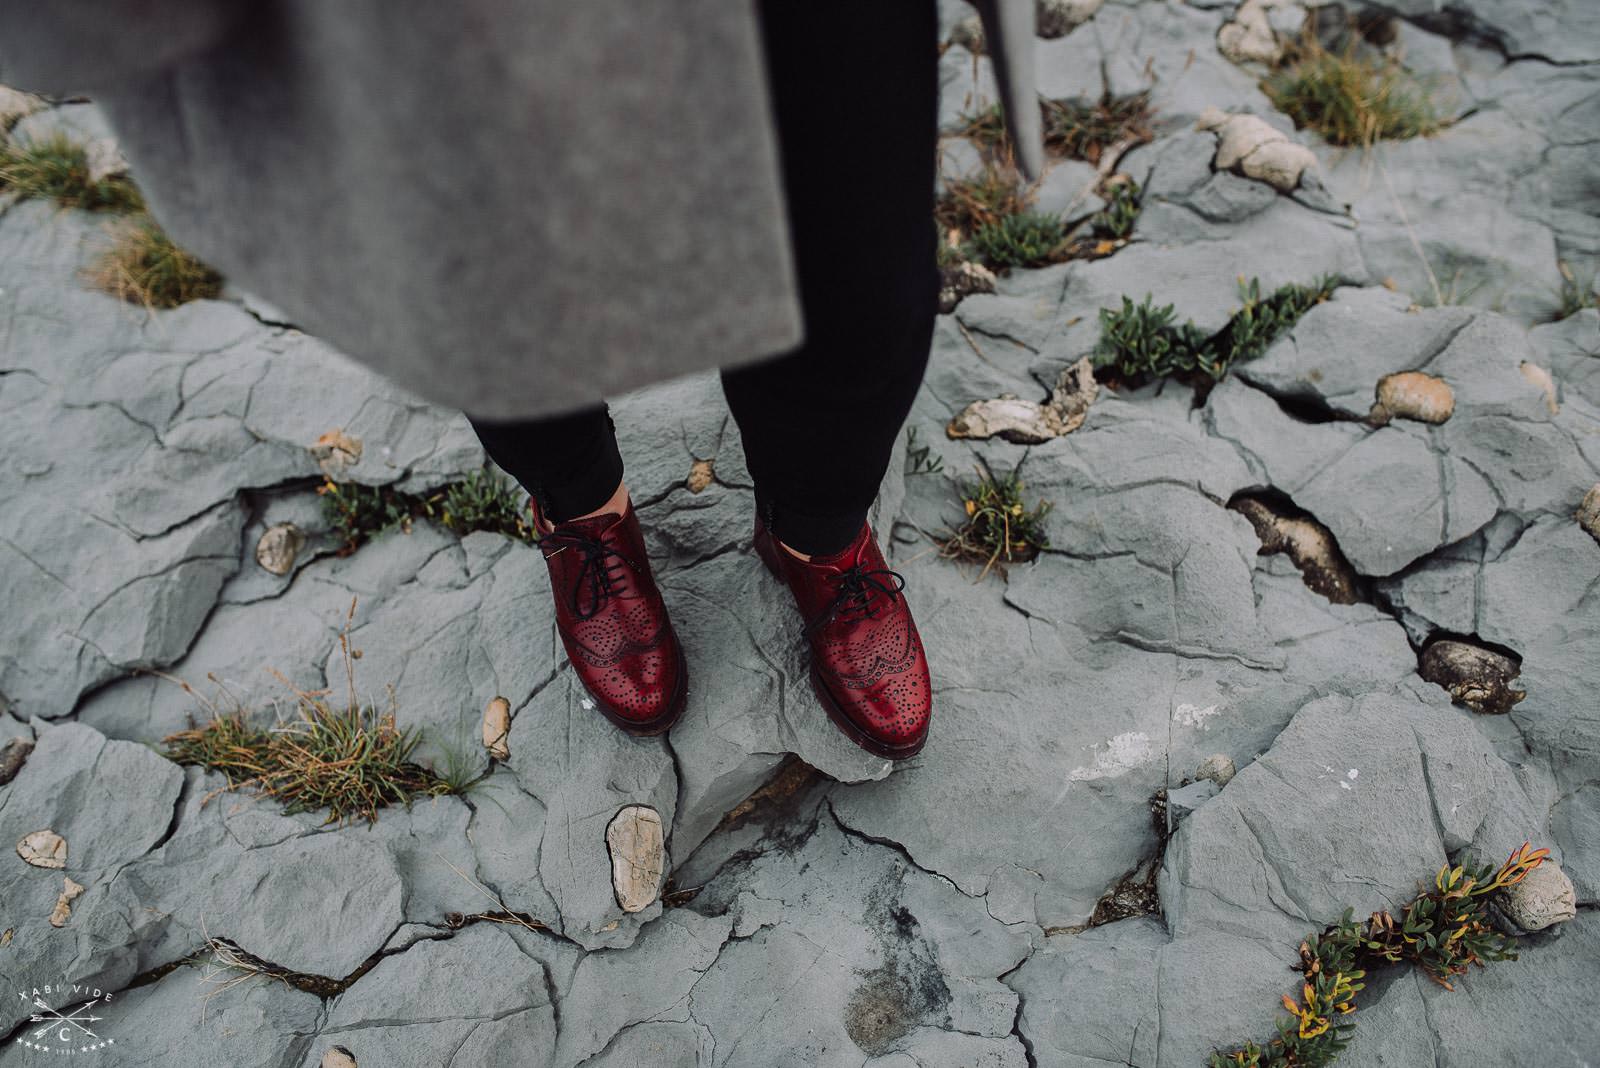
x: 1350, y: 98
x: 143, y: 266
x: 57, y: 169
x: 1000, y: 529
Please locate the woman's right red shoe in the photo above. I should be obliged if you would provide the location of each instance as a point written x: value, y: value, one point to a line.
x: 612, y: 619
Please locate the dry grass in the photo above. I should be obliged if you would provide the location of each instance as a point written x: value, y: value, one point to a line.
x: 351, y: 760
x: 1351, y: 97
x: 145, y: 267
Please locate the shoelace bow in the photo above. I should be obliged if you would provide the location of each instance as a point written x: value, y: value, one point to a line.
x: 594, y: 574
x: 853, y: 596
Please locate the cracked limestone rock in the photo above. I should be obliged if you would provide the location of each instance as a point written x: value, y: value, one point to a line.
x: 962, y: 280
x: 43, y: 849
x: 1588, y: 514
x: 1479, y: 678
x: 1256, y: 149
x: 1057, y: 18
x: 1249, y: 37
x: 1029, y: 422
x: 15, y: 105
x: 638, y: 856
x: 1543, y: 898
x: 335, y: 452
x: 497, y: 728
x: 1412, y: 395
x: 63, y: 909
x: 1218, y: 767
x: 278, y: 546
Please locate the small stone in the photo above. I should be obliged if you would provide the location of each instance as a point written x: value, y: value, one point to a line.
x: 1029, y: 422
x: 497, y: 729
x: 962, y: 280
x: 63, y: 910
x: 1542, y: 378
x: 105, y: 159
x: 1413, y: 395
x: 1256, y: 149
x: 638, y: 856
x: 15, y: 105
x: 1476, y: 677
x: 278, y: 547
x: 43, y: 849
x: 1588, y: 516
x: 701, y: 473
x: 338, y: 1057
x: 1545, y: 896
x: 1248, y: 37
x: 13, y: 755
x: 1218, y: 767
x: 1183, y: 800
x: 1057, y: 18
x: 968, y: 33
x: 335, y: 451
x: 1308, y: 543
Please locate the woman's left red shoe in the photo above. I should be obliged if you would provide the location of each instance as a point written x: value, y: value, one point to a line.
x: 867, y: 660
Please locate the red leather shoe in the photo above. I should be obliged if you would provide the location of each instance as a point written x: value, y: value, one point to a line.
x: 612, y: 620
x: 867, y: 661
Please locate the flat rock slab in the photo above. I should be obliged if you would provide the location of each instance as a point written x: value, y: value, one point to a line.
x: 823, y: 906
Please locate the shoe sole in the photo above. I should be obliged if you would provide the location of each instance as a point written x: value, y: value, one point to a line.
x: 843, y: 722
x: 650, y: 728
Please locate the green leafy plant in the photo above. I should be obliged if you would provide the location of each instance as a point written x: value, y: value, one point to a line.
x: 143, y: 266
x: 1022, y: 240
x: 1085, y: 131
x: 1142, y: 342
x: 1116, y: 219
x: 1350, y: 97
x: 1443, y: 931
x: 54, y: 168
x: 350, y: 759
x: 481, y: 501
x: 999, y: 529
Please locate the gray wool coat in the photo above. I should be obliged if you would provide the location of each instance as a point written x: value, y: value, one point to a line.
x: 512, y: 207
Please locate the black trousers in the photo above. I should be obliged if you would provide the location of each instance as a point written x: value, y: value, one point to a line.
x: 855, y: 94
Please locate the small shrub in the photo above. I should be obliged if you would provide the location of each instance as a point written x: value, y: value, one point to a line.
x: 1141, y: 341
x: 56, y: 169
x: 1085, y: 131
x: 1443, y: 931
x: 481, y: 501
x: 1350, y: 98
x: 1022, y: 240
x: 145, y: 267
x: 1122, y: 209
x: 999, y: 528
x: 972, y: 203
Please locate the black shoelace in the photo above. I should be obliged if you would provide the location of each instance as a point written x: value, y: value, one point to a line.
x: 596, y: 574
x: 853, y: 597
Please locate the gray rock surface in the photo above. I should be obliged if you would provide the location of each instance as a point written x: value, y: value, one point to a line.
x: 926, y: 914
